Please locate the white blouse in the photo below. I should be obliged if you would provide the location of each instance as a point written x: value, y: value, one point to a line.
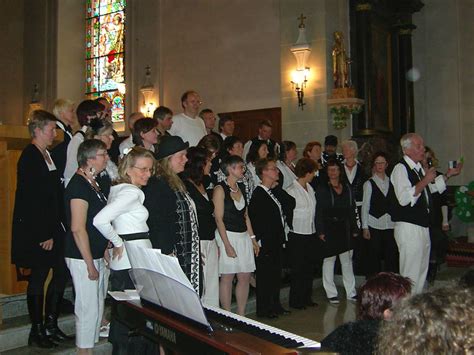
x: 288, y: 175
x: 124, y: 213
x: 385, y: 221
x: 305, y: 210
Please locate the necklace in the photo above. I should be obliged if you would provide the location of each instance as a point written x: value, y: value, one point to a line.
x: 231, y: 189
x: 94, y: 186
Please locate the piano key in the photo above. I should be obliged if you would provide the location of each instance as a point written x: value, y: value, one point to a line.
x: 296, y: 339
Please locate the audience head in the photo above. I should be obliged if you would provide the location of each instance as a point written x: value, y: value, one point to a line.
x: 313, y: 151
x: 288, y: 152
x: 171, y: 159
x: 334, y: 170
x: 258, y: 150
x: 349, y: 149
x: 42, y: 127
x: 413, y: 146
x: 102, y: 130
x: 380, y: 293
x: 107, y: 111
x: 190, y: 101
x: 267, y: 170
x: 164, y: 117
x: 92, y: 155
x: 134, y: 117
x: 198, y: 164
x: 87, y: 110
x: 265, y: 129
x: 379, y: 162
x: 136, y: 167
x: 144, y: 132
x: 64, y: 110
x: 305, y: 166
x: 209, y: 118
x: 211, y: 144
x: 330, y: 144
x: 226, y: 126
x: 233, y: 165
x: 233, y: 146
x: 436, y: 322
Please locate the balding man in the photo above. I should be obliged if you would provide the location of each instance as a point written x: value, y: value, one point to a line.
x: 412, y: 209
x: 188, y: 125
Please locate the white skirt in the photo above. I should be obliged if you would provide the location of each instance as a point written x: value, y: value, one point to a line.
x: 242, y: 244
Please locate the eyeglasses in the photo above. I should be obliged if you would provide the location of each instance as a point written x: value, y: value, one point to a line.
x: 102, y: 154
x: 144, y: 170
x: 380, y: 162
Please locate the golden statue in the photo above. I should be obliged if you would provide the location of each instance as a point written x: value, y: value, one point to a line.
x: 339, y: 62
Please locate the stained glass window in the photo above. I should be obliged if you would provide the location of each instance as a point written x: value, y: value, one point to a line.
x: 105, y: 47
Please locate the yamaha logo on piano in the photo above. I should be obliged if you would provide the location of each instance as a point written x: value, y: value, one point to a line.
x: 164, y: 332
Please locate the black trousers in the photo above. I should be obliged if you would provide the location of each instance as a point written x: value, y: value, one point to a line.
x: 381, y: 246
x: 268, y: 265
x: 39, y: 274
x: 303, y: 258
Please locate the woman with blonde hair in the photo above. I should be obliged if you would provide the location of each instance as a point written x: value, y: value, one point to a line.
x: 124, y: 218
x: 66, y: 121
x: 172, y: 214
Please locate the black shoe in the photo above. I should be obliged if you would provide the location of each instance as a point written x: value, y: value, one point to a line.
x: 53, y: 331
x: 39, y: 338
x: 269, y: 315
x: 298, y: 307
x: 283, y: 311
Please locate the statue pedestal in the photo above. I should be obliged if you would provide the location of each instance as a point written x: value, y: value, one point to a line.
x: 343, y: 93
x: 343, y: 108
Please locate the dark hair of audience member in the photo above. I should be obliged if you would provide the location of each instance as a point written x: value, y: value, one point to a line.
x: 161, y: 112
x: 309, y: 147
x: 379, y: 293
x: 285, y: 147
x: 229, y: 143
x: 211, y: 143
x: 204, y: 111
x: 266, y: 123
x: 436, y: 322
x: 143, y: 125
x: 467, y: 280
x: 222, y: 122
x: 261, y: 164
x: 86, y: 110
x: 252, y: 155
x: 305, y: 166
x: 230, y: 161
x: 197, y: 160
x: 379, y: 154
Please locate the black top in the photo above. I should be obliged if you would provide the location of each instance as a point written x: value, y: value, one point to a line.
x: 262, y: 210
x: 205, y: 212
x: 160, y: 200
x: 105, y: 182
x: 438, y: 200
x: 114, y: 151
x: 234, y: 220
x: 336, y: 218
x: 80, y: 188
x: 357, y: 184
x: 359, y: 337
x: 379, y: 203
x: 419, y: 213
x: 38, y: 211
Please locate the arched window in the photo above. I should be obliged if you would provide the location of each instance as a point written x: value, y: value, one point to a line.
x: 105, y: 52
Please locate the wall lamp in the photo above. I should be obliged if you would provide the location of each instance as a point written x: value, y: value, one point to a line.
x: 147, y: 91
x: 301, y: 50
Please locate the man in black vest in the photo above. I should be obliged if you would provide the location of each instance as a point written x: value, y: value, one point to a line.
x: 264, y: 134
x: 412, y: 208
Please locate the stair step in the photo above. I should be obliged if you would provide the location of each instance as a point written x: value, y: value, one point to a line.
x: 103, y: 347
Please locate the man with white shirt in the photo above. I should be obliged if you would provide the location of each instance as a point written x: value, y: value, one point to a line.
x: 188, y: 125
x: 226, y: 127
x: 128, y: 142
x: 412, y: 207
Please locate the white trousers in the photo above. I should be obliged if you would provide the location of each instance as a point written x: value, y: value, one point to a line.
x: 89, y: 302
x: 347, y: 274
x: 414, y: 247
x: 210, y: 269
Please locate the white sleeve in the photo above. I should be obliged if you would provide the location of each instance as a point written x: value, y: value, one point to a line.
x: 71, y: 157
x: 175, y: 127
x: 246, y: 150
x: 438, y: 185
x: 404, y: 192
x: 120, y: 205
x: 366, y: 204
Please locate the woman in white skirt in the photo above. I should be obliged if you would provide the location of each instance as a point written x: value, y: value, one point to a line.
x: 234, y: 235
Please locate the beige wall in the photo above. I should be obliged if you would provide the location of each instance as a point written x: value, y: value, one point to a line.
x: 323, y: 17
x: 443, y: 49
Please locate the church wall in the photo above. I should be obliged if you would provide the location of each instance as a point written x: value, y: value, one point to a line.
x: 444, y: 94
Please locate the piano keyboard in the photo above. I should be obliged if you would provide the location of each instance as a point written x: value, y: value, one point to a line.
x: 261, y: 330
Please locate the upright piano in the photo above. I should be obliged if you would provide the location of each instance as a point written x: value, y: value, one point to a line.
x: 232, y: 334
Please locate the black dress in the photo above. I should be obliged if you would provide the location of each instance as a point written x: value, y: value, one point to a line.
x: 336, y: 219
x: 38, y: 212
